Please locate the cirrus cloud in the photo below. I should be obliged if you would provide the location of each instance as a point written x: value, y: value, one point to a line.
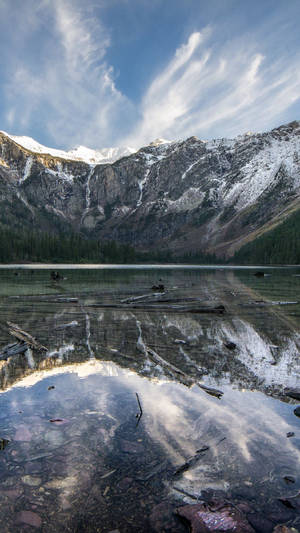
x: 57, y: 81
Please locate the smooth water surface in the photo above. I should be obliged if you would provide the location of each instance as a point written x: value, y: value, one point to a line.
x: 98, y: 466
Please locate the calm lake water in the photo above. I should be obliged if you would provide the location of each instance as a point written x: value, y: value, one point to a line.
x: 111, y: 340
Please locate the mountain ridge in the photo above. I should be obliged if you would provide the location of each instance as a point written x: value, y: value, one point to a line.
x: 183, y: 196
x: 79, y: 153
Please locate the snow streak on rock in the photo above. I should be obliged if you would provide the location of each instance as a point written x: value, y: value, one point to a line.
x: 88, y: 191
x: 27, y: 169
x: 61, y: 173
x: 190, y: 167
x: 141, y: 187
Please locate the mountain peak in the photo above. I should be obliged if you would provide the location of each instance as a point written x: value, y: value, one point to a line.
x: 159, y: 141
x: 79, y: 153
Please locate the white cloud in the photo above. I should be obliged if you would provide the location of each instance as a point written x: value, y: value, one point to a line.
x: 73, y: 92
x: 210, y: 87
x: 205, y: 88
x: 78, y: 36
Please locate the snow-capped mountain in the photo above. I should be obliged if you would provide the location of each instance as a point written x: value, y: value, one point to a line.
x: 189, y: 195
x: 80, y: 153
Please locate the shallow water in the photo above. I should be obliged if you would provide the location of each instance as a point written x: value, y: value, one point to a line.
x: 100, y: 468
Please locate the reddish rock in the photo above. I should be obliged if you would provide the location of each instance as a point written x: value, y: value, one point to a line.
x: 216, y: 517
x: 30, y: 518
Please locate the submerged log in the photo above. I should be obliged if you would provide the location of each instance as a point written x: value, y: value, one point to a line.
x: 13, y: 349
x: 191, y: 461
x: 24, y: 337
x: 149, y: 307
x: 159, y: 287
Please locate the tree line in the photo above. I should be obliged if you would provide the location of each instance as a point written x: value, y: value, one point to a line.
x: 278, y: 246
x: 39, y: 246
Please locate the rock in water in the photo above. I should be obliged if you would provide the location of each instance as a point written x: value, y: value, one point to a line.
x: 297, y: 411
x: 29, y: 518
x: 204, y: 519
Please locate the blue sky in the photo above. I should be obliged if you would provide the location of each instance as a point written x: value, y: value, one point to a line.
x: 123, y: 72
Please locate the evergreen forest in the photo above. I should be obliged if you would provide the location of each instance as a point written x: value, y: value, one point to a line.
x: 278, y: 246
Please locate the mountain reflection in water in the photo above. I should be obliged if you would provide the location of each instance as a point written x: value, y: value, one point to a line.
x: 109, y: 336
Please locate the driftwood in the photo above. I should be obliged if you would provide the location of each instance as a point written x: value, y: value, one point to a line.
x: 159, y: 467
x: 188, y: 379
x: 159, y: 359
x: 191, y: 461
x: 140, y: 414
x: 24, y: 337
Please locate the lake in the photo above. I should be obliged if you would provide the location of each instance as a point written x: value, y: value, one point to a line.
x: 105, y: 427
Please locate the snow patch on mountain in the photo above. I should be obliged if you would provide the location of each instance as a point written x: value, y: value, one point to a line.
x: 190, y: 199
x: 81, y: 153
x: 259, y: 174
x: 159, y: 152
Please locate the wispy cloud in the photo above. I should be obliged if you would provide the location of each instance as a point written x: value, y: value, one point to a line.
x: 73, y: 92
x: 58, y: 79
x: 77, y: 34
x: 204, y: 88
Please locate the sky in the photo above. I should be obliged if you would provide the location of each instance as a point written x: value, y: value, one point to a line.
x: 103, y: 73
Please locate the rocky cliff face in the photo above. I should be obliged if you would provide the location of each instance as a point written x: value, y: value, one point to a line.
x: 184, y: 196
